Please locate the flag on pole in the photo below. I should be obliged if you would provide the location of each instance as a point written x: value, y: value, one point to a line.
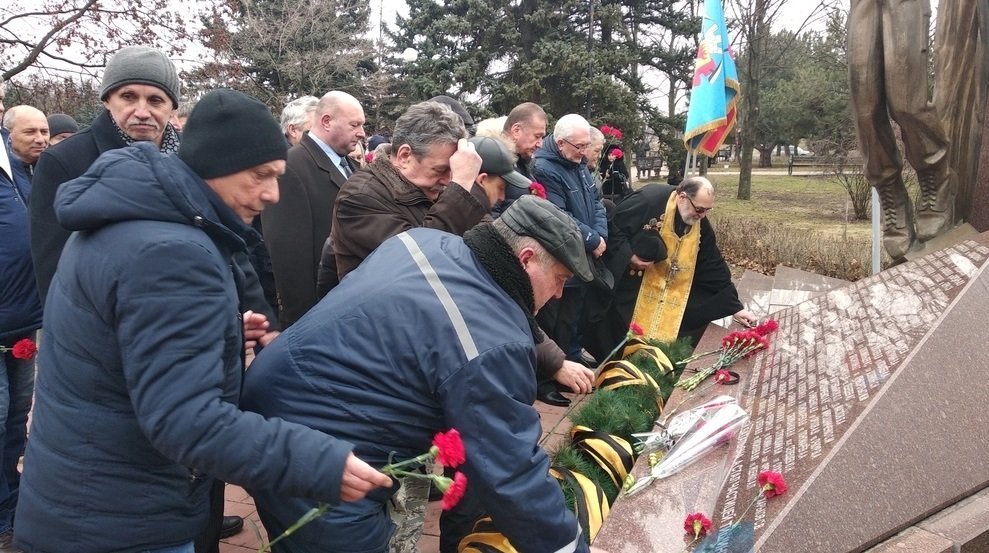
x: 711, y: 114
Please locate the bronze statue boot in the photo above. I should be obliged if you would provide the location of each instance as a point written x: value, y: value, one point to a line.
x: 898, y: 232
x: 935, y: 214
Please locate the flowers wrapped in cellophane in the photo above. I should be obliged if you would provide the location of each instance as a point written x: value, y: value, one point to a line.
x: 694, y: 433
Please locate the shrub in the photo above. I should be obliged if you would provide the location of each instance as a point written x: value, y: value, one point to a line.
x: 846, y: 259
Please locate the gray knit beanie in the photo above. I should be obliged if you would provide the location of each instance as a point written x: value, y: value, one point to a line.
x: 141, y: 65
x: 229, y: 131
x: 59, y: 123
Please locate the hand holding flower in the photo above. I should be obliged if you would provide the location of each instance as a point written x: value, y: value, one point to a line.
x: 359, y: 478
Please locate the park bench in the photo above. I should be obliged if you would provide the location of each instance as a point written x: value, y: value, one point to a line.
x: 829, y: 162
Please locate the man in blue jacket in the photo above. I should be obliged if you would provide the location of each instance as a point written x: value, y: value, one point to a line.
x: 432, y: 331
x: 137, y: 415
x: 561, y: 167
x: 20, y: 317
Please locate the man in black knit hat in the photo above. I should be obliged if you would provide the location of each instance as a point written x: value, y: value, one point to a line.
x: 140, y: 91
x: 136, y: 418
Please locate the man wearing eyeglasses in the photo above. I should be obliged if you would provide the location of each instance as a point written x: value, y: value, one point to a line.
x: 670, y: 277
x: 561, y: 167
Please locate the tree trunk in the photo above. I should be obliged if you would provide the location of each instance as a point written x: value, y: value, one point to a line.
x: 750, y: 97
x: 766, y: 157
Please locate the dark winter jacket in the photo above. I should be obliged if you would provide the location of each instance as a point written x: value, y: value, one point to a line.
x: 377, y: 203
x: 70, y: 159
x: 568, y: 185
x: 60, y: 163
x: 419, y: 339
x: 20, y: 308
x: 136, y: 407
x: 614, y: 175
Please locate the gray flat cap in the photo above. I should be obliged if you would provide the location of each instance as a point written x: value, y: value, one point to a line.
x: 553, y: 229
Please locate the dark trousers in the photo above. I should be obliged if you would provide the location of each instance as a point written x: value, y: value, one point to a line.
x: 563, y: 320
x: 209, y: 540
x: 459, y: 521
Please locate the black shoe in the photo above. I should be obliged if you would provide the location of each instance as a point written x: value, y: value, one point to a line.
x: 231, y: 525
x: 553, y: 397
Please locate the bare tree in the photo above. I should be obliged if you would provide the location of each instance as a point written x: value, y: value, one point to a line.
x: 753, y: 20
x: 77, y: 36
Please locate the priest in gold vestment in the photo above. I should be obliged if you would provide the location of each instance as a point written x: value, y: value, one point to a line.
x: 670, y: 277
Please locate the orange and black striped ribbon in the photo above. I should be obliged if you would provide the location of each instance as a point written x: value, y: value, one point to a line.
x: 591, y: 503
x: 612, y: 453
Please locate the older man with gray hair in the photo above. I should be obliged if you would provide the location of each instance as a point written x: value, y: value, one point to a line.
x: 428, y: 180
x: 297, y: 118
x: 561, y: 167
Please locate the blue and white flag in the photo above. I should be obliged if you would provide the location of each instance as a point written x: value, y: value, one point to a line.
x: 711, y: 114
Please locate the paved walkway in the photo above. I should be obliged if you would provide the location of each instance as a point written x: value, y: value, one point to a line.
x: 555, y: 425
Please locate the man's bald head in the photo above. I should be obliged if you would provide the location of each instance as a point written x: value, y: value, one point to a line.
x: 28, y: 128
x: 339, y: 121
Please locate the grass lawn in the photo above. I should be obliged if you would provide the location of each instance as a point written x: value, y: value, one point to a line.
x: 800, y: 203
x: 798, y: 221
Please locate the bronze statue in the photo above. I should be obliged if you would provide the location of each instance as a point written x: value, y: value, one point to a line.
x: 888, y: 68
x: 962, y: 73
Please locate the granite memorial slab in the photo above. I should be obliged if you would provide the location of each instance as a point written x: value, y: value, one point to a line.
x: 870, y: 401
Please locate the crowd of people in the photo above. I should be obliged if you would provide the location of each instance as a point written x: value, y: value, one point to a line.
x: 289, y: 306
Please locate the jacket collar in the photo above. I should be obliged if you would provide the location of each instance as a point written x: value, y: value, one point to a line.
x: 323, y: 161
x: 403, y: 191
x: 551, y: 152
x: 104, y: 133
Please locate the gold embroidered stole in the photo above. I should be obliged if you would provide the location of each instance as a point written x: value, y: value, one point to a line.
x: 665, y: 286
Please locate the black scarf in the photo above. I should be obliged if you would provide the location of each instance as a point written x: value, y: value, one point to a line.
x: 500, y: 262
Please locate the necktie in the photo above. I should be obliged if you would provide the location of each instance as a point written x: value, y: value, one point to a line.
x: 345, y: 168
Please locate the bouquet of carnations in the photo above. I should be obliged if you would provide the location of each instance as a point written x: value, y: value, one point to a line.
x: 734, y: 346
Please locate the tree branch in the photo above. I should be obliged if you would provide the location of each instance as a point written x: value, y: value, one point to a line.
x: 46, y: 39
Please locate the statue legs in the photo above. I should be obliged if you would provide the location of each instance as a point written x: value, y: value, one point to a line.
x: 887, y: 62
x: 898, y: 220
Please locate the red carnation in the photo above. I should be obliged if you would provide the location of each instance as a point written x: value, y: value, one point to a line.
x: 24, y: 349
x: 771, y: 483
x: 369, y: 157
x: 732, y: 339
x: 766, y: 327
x: 697, y: 524
x: 537, y: 189
x: 618, y: 154
x: 722, y: 376
x: 449, y: 448
x: 636, y: 328
x: 454, y: 491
